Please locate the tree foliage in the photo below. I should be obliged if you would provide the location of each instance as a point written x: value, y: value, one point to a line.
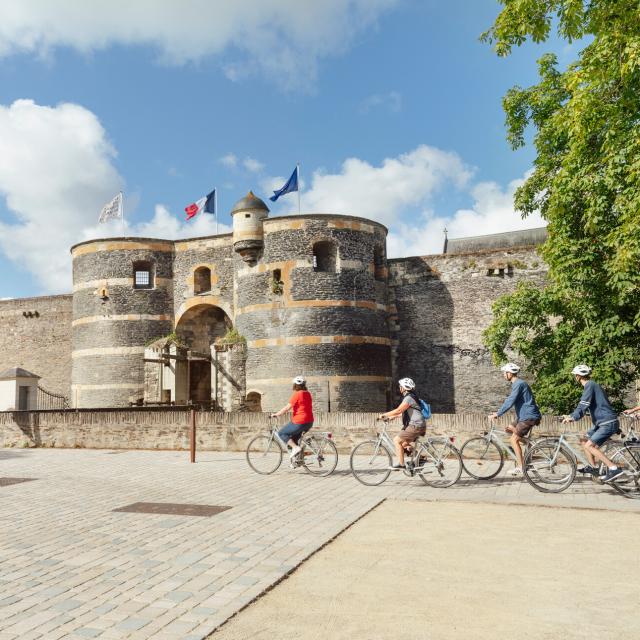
x: 586, y: 185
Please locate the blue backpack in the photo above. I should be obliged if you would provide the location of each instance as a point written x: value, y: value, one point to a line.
x: 425, y: 408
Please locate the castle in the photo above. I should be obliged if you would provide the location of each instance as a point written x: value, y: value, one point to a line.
x: 310, y: 294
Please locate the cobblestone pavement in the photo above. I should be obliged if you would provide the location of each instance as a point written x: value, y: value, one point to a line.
x: 71, y: 567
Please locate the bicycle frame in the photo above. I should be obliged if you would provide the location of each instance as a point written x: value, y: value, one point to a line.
x: 425, y: 442
x: 578, y: 454
x: 496, y: 436
x: 273, y: 427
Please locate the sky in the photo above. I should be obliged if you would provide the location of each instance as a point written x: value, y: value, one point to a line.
x: 391, y: 107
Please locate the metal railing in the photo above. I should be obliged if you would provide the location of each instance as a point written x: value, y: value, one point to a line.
x: 50, y: 400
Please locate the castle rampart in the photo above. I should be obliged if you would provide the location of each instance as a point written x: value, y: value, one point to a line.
x: 311, y: 307
x: 311, y: 294
x: 123, y: 297
x: 35, y: 334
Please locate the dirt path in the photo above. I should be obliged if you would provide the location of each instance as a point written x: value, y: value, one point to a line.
x: 433, y: 570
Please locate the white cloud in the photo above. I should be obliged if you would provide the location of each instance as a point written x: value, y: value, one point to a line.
x: 400, y: 193
x: 55, y: 166
x: 492, y: 212
x: 384, y: 192
x: 229, y: 160
x: 163, y: 225
x: 391, y: 101
x: 282, y: 39
x: 253, y: 165
x: 56, y: 172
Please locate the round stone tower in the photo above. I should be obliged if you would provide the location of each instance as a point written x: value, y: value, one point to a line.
x: 316, y: 305
x: 122, y: 299
x: 248, y: 237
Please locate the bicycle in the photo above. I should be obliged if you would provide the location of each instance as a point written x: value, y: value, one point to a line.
x: 551, y: 464
x: 433, y: 459
x: 483, y: 456
x: 626, y: 455
x: 318, y: 453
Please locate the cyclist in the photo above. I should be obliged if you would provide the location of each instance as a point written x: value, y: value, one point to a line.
x: 527, y: 413
x: 604, y: 418
x: 413, y: 422
x: 301, y: 404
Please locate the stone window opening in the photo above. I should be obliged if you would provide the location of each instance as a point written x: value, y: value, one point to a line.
x: 277, y: 285
x: 201, y: 280
x: 500, y: 270
x: 253, y: 402
x: 142, y: 275
x: 324, y: 256
x: 379, y: 271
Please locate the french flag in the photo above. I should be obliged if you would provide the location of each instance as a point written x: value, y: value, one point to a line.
x: 206, y: 204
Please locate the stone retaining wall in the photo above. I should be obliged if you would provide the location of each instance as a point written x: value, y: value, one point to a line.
x: 146, y: 428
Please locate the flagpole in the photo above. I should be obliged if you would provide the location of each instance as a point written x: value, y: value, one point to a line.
x: 215, y: 206
x: 299, y: 185
x: 122, y: 211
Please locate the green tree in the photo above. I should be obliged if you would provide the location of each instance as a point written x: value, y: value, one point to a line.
x: 585, y: 120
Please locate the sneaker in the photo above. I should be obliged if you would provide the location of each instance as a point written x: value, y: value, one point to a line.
x: 612, y: 474
x: 589, y: 469
x: 397, y: 467
x: 295, y: 451
x: 517, y: 471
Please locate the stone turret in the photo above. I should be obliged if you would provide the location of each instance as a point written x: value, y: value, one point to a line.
x: 248, y: 236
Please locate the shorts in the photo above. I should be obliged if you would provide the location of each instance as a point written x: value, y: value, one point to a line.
x: 523, y: 427
x: 599, y: 435
x: 411, y: 433
x: 293, y: 431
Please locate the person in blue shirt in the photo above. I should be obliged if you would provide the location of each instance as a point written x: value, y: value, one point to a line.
x: 527, y: 413
x: 604, y: 419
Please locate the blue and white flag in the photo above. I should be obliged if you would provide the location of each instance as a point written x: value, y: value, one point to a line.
x: 290, y: 185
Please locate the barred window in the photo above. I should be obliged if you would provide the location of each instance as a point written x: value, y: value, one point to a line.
x: 142, y: 275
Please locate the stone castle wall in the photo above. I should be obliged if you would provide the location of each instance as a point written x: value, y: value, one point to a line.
x: 351, y: 330
x: 327, y: 326
x: 35, y: 334
x: 443, y: 304
x: 113, y: 320
x: 170, y: 429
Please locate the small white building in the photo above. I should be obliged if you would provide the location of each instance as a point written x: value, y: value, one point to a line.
x: 18, y: 390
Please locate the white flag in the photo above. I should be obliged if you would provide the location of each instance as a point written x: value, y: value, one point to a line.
x: 112, y: 209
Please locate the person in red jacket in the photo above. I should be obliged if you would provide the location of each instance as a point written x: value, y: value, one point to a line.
x: 301, y: 404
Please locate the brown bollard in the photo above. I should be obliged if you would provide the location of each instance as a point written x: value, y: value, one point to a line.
x: 192, y: 436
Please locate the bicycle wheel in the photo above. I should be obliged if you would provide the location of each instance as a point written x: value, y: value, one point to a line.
x: 441, y: 463
x: 319, y: 455
x: 549, y: 468
x: 264, y: 454
x: 482, y: 458
x: 628, y: 459
x: 370, y: 461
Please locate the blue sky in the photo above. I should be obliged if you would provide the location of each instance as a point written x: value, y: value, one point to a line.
x: 392, y: 107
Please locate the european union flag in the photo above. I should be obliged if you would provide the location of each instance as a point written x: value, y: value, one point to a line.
x: 290, y: 185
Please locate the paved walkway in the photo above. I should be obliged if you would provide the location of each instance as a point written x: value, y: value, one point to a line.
x: 71, y: 567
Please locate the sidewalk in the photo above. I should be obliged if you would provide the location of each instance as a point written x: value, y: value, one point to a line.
x: 74, y: 568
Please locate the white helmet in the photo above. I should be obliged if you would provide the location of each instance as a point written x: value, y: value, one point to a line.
x: 510, y: 367
x: 407, y: 383
x: 581, y: 370
x: 299, y: 380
